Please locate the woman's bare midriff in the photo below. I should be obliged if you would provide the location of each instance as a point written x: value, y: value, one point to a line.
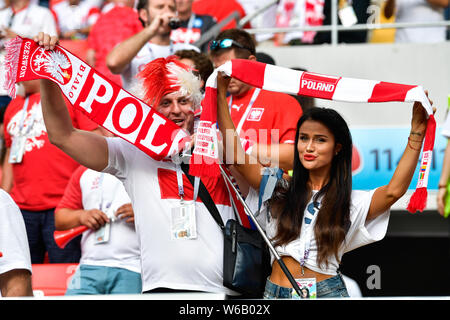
x: 278, y: 277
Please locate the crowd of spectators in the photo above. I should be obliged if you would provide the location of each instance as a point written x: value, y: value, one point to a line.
x: 74, y: 19
x: 103, y: 25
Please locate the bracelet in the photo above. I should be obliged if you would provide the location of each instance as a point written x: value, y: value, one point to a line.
x: 409, y: 144
x: 415, y: 140
x: 440, y: 186
x: 416, y: 133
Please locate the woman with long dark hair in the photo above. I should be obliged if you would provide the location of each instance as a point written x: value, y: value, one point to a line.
x: 315, y: 217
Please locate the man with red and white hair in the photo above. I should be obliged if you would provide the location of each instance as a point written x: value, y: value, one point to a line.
x: 160, y: 193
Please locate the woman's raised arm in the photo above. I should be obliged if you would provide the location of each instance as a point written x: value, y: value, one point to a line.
x: 234, y: 154
x: 385, y: 196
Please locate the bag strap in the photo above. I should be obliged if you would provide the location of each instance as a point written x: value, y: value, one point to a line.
x: 270, y: 177
x: 205, y: 196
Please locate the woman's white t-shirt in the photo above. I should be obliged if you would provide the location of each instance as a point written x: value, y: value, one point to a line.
x: 360, y: 232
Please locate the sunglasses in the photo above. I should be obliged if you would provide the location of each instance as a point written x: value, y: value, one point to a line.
x: 226, y: 43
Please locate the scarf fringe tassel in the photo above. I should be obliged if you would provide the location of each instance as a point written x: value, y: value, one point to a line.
x: 11, y: 65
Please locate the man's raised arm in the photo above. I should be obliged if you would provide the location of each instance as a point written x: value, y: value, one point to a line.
x: 87, y: 148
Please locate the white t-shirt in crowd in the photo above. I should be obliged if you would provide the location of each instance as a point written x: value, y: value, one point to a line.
x: 89, y: 189
x: 75, y: 17
x: 148, y: 53
x: 445, y: 130
x: 266, y: 19
x: 184, y: 264
x: 359, y: 234
x: 15, y: 253
x: 419, y: 11
x: 29, y: 21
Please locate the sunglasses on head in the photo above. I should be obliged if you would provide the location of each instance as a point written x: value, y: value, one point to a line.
x: 226, y: 43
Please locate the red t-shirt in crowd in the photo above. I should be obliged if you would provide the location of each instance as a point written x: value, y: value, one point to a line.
x: 42, y: 176
x: 112, y: 27
x: 73, y: 197
x: 272, y: 118
x: 220, y: 9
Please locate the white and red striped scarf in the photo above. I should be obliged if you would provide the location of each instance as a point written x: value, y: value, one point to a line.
x: 279, y: 79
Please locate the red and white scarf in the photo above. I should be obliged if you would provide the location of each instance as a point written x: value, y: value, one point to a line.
x: 98, y: 98
x: 279, y: 79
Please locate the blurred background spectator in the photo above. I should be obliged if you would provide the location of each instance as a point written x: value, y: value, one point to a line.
x: 447, y: 17
x: 220, y: 10
x: 110, y: 248
x: 418, y: 11
x: 21, y: 17
x: 292, y: 13
x: 25, y: 19
x: 130, y: 56
x: 266, y: 19
x: 192, y: 26
x: 75, y: 18
x: 117, y: 22
x: 361, y: 13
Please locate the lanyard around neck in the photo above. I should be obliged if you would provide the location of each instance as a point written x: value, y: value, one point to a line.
x: 190, y: 25
x: 181, y: 187
x: 14, y: 13
x: 306, y: 236
x: 247, y: 110
x: 22, y: 119
x: 100, y: 188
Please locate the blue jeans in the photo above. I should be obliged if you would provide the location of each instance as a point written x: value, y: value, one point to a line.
x: 333, y: 287
x: 89, y: 279
x: 40, y: 226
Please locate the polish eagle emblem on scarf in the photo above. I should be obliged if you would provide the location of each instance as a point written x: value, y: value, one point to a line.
x: 52, y: 64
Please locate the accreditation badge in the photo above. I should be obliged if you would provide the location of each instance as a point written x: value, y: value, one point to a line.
x: 103, y: 234
x: 17, y: 149
x: 308, y: 289
x: 182, y: 221
x: 347, y: 16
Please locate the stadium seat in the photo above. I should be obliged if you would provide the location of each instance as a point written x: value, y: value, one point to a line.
x: 51, y: 279
x: 76, y: 47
